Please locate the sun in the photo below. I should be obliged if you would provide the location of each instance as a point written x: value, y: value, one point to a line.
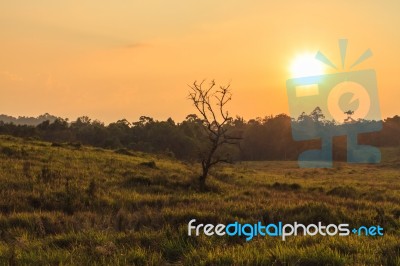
x: 306, y: 65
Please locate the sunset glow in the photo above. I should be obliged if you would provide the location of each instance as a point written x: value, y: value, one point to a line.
x: 124, y: 59
x: 306, y: 65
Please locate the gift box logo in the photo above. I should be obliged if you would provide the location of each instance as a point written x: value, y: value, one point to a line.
x: 340, y: 104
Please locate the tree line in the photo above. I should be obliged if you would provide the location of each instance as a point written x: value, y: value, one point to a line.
x: 268, y: 138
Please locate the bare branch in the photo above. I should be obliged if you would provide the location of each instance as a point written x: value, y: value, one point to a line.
x: 211, y: 104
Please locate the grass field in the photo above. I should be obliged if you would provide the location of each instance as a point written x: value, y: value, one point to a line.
x: 71, y: 205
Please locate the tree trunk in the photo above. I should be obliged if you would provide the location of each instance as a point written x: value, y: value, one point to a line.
x: 203, y: 177
x: 202, y: 183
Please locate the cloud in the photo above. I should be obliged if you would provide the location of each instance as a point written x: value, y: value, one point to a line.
x: 136, y: 45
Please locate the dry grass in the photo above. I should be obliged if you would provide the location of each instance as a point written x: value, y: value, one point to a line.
x: 84, y: 206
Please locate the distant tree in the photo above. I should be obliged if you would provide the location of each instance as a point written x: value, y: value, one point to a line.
x: 254, y: 145
x: 83, y: 120
x: 238, y: 122
x: 192, y: 118
x: 119, y: 134
x: 192, y: 127
x: 317, y: 115
x: 143, y: 121
x: 44, y: 125
x: 58, y: 124
x: 302, y: 117
x: 210, y: 102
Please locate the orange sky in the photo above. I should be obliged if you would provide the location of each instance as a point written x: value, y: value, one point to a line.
x: 123, y: 59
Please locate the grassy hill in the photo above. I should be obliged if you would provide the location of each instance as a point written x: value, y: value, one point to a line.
x: 72, y: 205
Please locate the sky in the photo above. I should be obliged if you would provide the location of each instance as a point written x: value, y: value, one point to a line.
x: 123, y: 59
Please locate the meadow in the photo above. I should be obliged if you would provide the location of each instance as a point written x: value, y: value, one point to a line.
x: 67, y: 204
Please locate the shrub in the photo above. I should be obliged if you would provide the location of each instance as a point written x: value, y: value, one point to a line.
x: 150, y: 164
x: 285, y: 186
x: 124, y: 152
x: 343, y: 192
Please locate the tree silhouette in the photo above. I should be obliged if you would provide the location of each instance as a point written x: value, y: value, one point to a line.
x: 317, y: 114
x: 210, y: 102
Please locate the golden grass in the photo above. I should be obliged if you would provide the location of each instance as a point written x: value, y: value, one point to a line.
x: 87, y: 206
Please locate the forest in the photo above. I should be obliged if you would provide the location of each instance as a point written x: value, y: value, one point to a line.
x: 268, y: 138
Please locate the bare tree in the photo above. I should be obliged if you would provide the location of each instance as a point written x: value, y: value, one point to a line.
x: 210, y: 102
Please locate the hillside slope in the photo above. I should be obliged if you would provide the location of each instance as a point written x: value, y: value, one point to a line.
x: 72, y: 205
